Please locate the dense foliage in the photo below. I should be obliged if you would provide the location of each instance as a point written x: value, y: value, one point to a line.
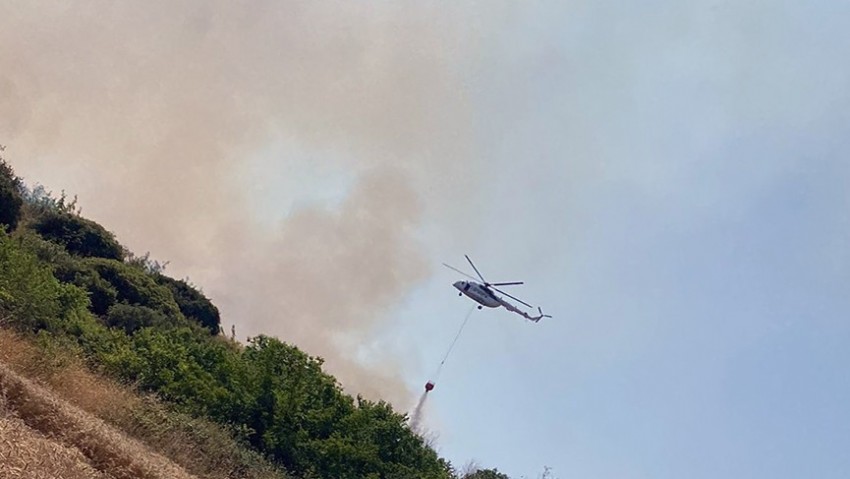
x: 486, y: 474
x: 192, y: 303
x: 68, y: 278
x: 78, y: 235
x: 10, y: 196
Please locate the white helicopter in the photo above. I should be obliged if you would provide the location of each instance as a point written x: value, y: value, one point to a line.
x: 482, y: 293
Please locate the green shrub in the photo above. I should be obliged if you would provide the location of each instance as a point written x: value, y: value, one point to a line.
x: 172, y: 366
x: 134, y: 286
x: 47, y: 252
x: 78, y: 235
x: 29, y: 294
x: 10, y: 196
x: 70, y: 269
x: 131, y: 318
x: 31, y: 298
x: 101, y: 292
x: 192, y: 303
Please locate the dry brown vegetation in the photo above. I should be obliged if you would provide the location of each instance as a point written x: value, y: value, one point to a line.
x: 78, y: 424
x: 25, y: 453
x: 106, y: 449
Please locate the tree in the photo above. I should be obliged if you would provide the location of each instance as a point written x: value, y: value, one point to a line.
x: 10, y: 196
x: 303, y: 419
x: 486, y: 474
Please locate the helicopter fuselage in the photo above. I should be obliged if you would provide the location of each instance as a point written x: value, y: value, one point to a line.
x: 478, y: 293
x: 482, y: 293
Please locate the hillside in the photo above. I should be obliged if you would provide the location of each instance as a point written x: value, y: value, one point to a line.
x: 25, y: 452
x: 57, y: 410
x: 43, y: 436
x: 70, y: 290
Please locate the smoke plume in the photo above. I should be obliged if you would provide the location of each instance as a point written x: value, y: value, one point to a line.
x: 150, y: 112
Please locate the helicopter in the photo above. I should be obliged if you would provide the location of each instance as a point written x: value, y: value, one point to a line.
x: 483, y: 293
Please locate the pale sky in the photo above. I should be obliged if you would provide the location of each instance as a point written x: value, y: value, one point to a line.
x: 669, y: 179
x: 671, y: 182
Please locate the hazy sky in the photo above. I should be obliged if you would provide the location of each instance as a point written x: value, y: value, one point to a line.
x: 670, y: 180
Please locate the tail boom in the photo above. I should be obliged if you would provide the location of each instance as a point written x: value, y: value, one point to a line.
x: 522, y: 313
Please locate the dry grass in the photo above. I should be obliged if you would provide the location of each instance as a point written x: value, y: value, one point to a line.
x: 64, y: 374
x: 200, y: 447
x: 106, y: 449
x: 13, y: 350
x: 26, y: 454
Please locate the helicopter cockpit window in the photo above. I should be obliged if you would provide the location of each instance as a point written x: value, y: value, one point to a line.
x: 466, y: 287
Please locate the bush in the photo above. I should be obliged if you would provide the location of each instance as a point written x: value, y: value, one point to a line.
x: 31, y: 298
x: 47, y: 252
x: 173, y: 366
x: 10, y: 196
x: 131, y: 318
x: 134, y: 286
x: 70, y: 269
x: 29, y: 294
x: 78, y: 235
x: 101, y: 293
x: 192, y: 303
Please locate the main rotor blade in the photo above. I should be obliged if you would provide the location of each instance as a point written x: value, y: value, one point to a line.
x: 459, y: 271
x: 514, y: 298
x: 506, y: 284
x: 476, y: 269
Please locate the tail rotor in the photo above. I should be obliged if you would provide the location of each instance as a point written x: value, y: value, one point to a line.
x: 538, y: 318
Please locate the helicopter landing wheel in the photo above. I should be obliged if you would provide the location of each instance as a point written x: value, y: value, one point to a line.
x: 481, y: 307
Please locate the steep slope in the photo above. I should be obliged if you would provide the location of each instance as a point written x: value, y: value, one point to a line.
x: 44, y: 436
x: 26, y: 453
x: 163, y: 373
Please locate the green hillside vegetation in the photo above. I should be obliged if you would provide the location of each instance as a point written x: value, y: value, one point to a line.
x: 68, y: 282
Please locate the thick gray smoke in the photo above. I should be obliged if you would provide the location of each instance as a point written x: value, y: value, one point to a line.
x: 149, y: 111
